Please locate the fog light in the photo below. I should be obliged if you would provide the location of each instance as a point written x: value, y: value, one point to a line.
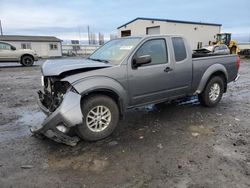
x: 62, y: 128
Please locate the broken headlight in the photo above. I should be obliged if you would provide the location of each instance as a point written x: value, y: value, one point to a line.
x: 54, y: 91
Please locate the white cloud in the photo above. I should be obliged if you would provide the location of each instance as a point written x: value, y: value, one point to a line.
x: 62, y: 18
x: 16, y: 16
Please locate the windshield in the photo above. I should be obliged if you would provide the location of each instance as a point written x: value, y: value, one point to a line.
x: 115, y: 50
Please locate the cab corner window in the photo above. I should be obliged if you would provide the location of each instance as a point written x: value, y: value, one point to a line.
x: 179, y: 49
x: 157, y: 50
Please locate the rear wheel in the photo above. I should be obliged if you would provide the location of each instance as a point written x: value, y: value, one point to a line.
x: 27, y: 60
x: 100, y: 118
x: 213, y: 92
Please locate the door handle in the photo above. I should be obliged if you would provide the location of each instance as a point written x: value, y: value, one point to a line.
x: 167, y: 69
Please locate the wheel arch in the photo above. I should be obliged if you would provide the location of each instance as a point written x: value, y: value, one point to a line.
x: 26, y: 54
x: 104, y: 86
x: 107, y: 92
x: 214, y: 70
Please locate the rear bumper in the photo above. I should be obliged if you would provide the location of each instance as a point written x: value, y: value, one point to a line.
x: 68, y: 115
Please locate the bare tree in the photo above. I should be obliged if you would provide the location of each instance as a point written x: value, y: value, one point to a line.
x: 93, y: 38
x: 1, y: 28
x: 101, y: 39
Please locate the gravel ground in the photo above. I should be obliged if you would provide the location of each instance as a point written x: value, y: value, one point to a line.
x: 172, y: 145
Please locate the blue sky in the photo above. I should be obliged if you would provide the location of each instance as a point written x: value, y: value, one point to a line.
x: 67, y: 18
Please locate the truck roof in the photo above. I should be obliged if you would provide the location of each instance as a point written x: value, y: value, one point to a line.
x: 152, y: 36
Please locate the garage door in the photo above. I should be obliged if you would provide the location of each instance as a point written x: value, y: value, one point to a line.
x: 153, y: 30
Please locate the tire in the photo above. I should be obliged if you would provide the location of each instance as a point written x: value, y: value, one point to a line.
x: 97, y: 127
x: 213, y: 92
x: 27, y: 61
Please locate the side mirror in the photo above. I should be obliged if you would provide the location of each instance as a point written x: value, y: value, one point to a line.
x: 138, y: 61
x: 13, y: 48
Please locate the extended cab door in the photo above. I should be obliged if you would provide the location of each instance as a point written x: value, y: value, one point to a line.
x: 153, y: 81
x: 183, y: 66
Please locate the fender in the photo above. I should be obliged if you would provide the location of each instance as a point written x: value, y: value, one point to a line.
x: 101, y: 83
x: 206, y: 76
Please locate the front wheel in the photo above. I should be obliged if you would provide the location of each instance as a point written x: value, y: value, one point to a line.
x: 100, y: 117
x: 213, y: 92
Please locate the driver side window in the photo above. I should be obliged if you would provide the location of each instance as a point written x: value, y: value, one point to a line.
x: 157, y: 49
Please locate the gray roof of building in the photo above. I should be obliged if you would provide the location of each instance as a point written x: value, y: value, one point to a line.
x: 168, y: 20
x: 29, y: 38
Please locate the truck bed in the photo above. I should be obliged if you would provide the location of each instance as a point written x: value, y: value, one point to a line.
x: 201, y: 64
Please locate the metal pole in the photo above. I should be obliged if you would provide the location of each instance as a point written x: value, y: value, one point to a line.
x: 79, y: 32
x: 88, y: 35
x: 1, y: 29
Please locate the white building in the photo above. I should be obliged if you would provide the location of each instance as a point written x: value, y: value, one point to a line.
x: 197, y: 33
x: 45, y: 46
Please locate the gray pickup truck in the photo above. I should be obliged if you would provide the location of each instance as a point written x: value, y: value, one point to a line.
x: 90, y: 95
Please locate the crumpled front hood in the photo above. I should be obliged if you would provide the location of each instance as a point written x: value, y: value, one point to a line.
x: 57, y: 67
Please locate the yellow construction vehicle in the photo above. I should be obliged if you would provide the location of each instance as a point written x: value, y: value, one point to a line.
x: 225, y: 38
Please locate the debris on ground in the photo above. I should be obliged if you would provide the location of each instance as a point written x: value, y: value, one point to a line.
x: 141, y: 137
x: 195, y: 134
x: 27, y: 166
x: 159, y: 146
x: 112, y: 143
x: 179, y: 166
x: 237, y: 119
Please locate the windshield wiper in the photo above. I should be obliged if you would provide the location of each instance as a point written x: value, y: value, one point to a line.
x: 100, y: 60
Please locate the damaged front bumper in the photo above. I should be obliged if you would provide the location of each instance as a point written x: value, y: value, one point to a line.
x: 57, y: 123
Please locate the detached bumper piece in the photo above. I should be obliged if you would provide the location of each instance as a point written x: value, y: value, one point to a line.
x: 59, y: 122
x: 237, y: 77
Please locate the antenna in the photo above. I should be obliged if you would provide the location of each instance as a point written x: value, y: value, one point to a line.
x: 1, y: 28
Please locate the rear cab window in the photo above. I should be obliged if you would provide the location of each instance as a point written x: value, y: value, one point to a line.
x: 180, y: 52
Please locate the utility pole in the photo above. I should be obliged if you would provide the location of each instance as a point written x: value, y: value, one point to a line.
x: 88, y: 35
x: 79, y: 32
x: 1, y: 29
